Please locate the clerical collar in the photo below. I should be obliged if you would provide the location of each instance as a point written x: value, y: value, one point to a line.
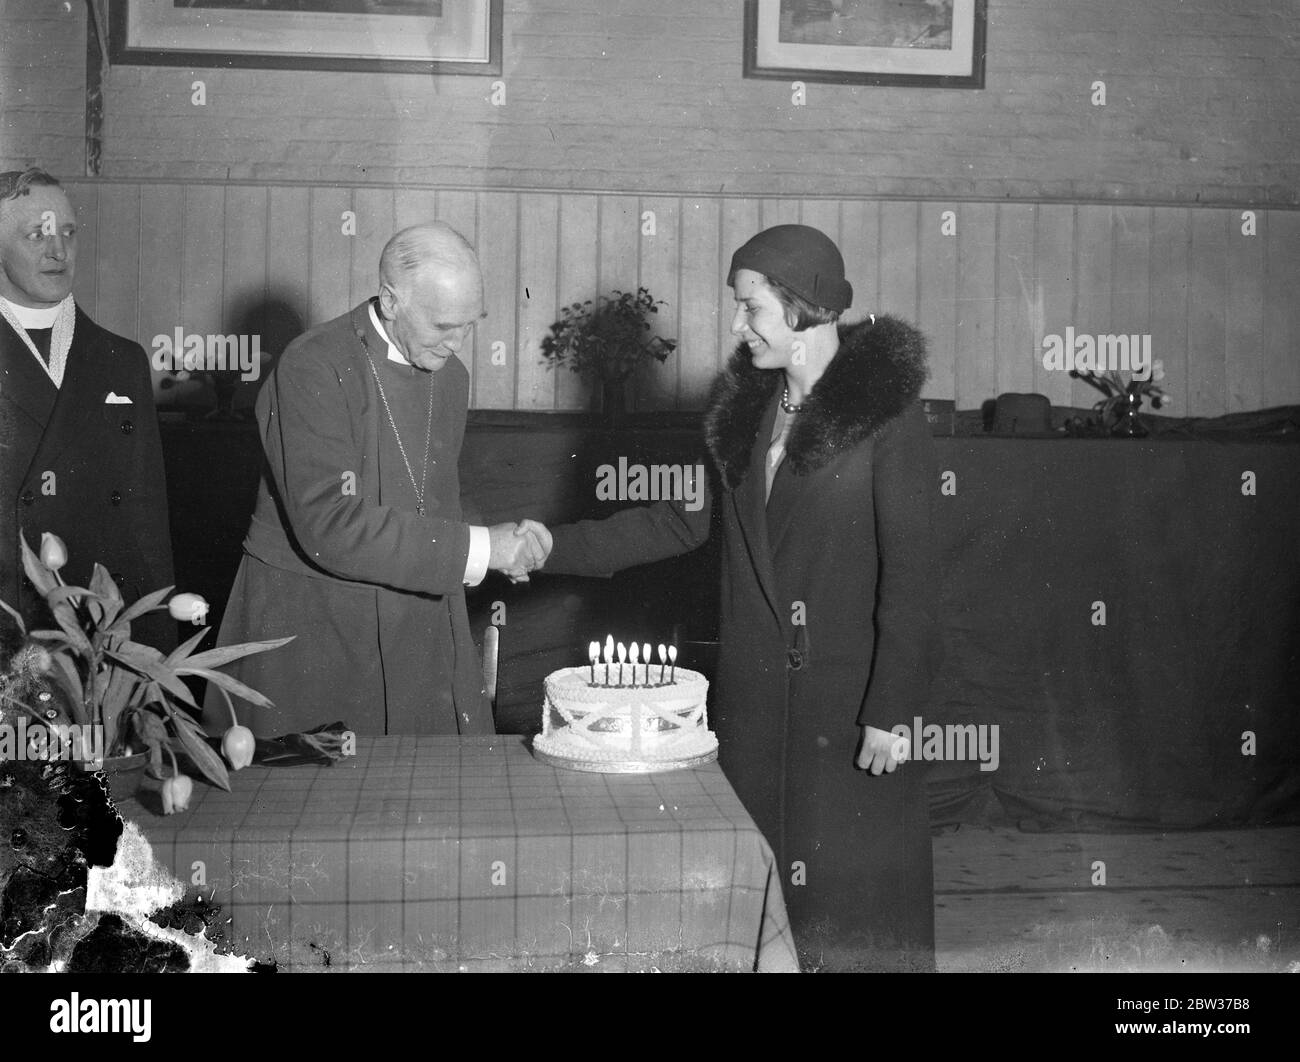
x: 29, y: 317
x: 393, y: 353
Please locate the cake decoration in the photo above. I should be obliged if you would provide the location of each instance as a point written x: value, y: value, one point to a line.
x: 622, y: 714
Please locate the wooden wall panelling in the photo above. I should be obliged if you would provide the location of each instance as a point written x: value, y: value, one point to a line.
x: 1170, y: 248
x: 1017, y: 350
x: 975, y: 368
x: 537, y: 299
x: 1280, y: 231
x: 1057, y: 272
x: 1206, y: 335
x: 701, y: 287
x: 656, y: 385
x: 498, y: 255
x: 330, y: 278
x: 937, y: 295
x: 577, y: 276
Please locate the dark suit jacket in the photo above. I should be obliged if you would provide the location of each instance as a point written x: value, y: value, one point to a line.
x: 85, y: 469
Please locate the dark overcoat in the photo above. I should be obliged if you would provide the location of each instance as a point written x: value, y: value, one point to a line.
x: 337, y: 555
x: 826, y: 624
x: 85, y: 468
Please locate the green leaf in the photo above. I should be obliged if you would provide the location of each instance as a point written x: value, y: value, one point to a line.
x: 204, y: 758
x: 134, y: 654
x: 65, y: 674
x: 146, y: 604
x: 225, y: 654
x: 67, y: 620
x: 103, y: 586
x: 42, y: 578
x: 120, y: 687
x: 183, y: 651
x: 22, y: 627
x: 231, y: 685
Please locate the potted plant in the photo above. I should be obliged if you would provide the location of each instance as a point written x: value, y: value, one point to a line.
x: 605, y: 340
x: 131, y: 695
x: 1119, y: 409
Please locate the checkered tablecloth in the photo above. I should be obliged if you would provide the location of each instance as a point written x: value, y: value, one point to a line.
x: 446, y: 853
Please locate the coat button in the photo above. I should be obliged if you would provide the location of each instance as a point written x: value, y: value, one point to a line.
x: 794, y: 659
x: 115, y: 498
x: 127, y: 427
x: 28, y: 497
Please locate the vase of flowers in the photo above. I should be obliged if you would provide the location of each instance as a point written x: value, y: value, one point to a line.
x: 605, y: 340
x: 127, y: 700
x: 1119, y: 410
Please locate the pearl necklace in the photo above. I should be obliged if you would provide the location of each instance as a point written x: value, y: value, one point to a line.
x: 785, y: 402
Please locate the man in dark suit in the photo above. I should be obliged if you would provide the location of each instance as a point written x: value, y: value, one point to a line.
x: 80, y: 454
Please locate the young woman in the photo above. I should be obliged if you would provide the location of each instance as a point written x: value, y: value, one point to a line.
x: 826, y: 477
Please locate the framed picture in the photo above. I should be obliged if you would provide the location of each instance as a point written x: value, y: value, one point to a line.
x: 923, y: 43
x: 391, y: 36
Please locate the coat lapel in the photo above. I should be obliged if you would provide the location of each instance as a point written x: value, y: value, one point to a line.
x: 22, y: 381
x: 788, y: 494
x: 751, y: 514
x: 87, y: 379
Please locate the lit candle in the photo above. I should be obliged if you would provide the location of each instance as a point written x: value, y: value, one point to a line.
x: 645, y: 655
x: 609, y: 655
x: 634, y: 654
x: 622, y: 657
x: 663, y: 659
x: 593, y: 654
x: 672, y: 656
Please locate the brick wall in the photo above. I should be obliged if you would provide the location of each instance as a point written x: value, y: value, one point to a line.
x: 623, y: 96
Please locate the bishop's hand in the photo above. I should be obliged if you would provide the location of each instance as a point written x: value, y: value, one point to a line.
x: 517, y: 549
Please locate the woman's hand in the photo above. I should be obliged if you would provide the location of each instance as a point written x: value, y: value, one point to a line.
x: 881, y: 750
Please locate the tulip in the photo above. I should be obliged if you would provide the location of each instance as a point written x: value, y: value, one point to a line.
x: 176, y: 793
x: 54, y: 554
x: 189, y: 608
x: 237, y: 746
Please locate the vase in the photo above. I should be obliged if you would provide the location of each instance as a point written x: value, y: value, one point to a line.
x: 1129, y: 425
x: 613, y: 401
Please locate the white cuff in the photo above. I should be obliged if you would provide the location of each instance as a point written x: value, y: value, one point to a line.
x: 480, y: 552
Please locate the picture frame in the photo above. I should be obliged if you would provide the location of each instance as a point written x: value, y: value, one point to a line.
x: 916, y: 43
x: 385, y: 36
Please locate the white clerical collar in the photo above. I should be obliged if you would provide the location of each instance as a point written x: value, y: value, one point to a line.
x: 29, y: 317
x: 393, y: 353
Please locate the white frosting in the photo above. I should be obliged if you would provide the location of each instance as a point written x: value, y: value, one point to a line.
x: 640, y: 723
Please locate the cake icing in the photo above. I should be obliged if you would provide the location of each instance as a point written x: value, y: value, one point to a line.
x: 625, y: 728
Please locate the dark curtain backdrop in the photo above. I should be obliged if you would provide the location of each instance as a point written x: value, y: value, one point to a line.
x: 1134, y: 723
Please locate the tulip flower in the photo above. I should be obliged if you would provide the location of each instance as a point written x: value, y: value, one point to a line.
x: 54, y: 554
x: 237, y: 746
x: 188, y: 608
x: 176, y: 793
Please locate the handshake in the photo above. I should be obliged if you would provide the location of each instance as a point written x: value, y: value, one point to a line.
x: 518, y: 549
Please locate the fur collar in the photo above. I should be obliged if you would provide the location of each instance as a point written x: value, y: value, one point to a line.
x: 876, y: 374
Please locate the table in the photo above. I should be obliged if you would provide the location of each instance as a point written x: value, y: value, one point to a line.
x: 445, y: 853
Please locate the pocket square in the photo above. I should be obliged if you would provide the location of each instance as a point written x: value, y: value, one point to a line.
x: 114, y: 399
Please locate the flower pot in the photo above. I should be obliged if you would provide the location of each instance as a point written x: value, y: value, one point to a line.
x: 613, y: 401
x: 125, y: 774
x: 1129, y: 425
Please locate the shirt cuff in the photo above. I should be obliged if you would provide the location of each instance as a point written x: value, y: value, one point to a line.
x: 480, y: 552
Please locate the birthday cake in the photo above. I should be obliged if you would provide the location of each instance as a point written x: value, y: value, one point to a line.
x: 594, y: 723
